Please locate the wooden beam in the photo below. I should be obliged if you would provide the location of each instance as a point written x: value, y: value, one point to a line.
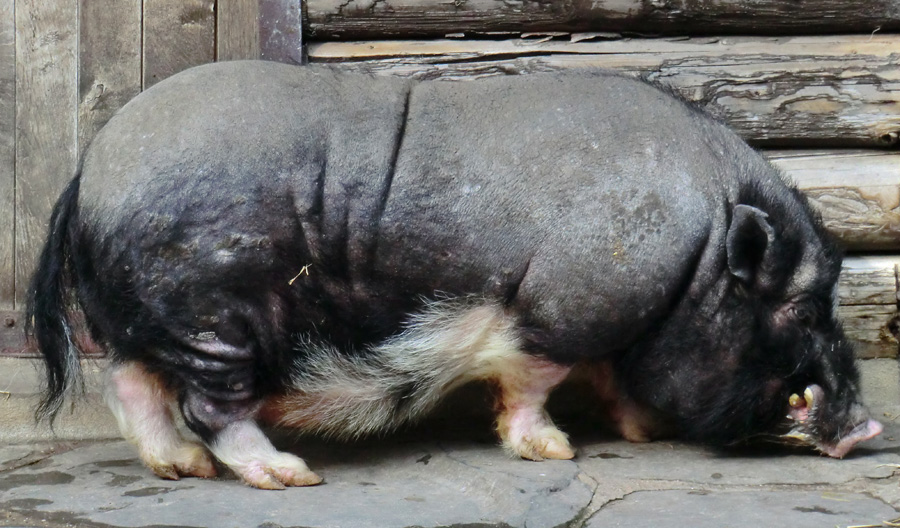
x: 237, y: 29
x: 7, y: 154
x: 361, y: 19
x: 856, y: 191
x: 178, y: 34
x: 281, y: 31
x: 46, y: 130
x: 259, y: 29
x: 109, y: 72
x: 788, y: 91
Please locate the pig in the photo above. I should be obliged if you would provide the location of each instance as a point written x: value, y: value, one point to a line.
x: 262, y: 244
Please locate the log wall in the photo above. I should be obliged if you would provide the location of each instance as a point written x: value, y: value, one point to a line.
x: 815, y: 84
x: 67, y: 65
x: 374, y: 19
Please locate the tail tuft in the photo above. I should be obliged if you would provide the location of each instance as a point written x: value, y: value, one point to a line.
x: 48, y: 318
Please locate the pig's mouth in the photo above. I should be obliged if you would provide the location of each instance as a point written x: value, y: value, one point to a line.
x: 804, y: 415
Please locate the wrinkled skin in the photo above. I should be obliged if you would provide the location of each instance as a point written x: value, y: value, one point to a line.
x: 597, y: 217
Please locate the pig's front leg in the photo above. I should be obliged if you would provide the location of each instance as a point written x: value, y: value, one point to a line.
x: 524, y: 426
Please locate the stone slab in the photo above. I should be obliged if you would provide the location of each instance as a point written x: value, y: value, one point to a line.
x: 371, y: 486
x: 742, y: 509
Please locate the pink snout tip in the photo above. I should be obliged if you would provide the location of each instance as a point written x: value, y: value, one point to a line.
x: 862, y: 432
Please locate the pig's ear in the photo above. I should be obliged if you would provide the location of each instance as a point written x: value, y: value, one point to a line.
x: 750, y: 238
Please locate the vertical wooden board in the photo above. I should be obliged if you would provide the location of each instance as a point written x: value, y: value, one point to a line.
x: 109, y: 62
x: 281, y: 31
x: 46, y: 110
x: 178, y: 34
x: 7, y: 153
x: 237, y: 29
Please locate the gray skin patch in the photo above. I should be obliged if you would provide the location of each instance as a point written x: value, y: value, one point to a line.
x: 49, y: 478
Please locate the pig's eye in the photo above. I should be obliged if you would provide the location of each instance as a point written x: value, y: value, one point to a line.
x: 803, y: 313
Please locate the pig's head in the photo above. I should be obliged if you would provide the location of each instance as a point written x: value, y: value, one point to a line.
x: 758, y: 355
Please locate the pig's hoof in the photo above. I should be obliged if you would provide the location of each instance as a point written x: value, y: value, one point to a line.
x: 287, y: 470
x: 188, y: 460
x: 549, y: 442
x: 634, y: 433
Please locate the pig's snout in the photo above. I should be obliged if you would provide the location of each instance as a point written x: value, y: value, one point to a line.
x: 809, y: 413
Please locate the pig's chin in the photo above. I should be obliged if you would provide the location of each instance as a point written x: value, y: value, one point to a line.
x: 803, y: 415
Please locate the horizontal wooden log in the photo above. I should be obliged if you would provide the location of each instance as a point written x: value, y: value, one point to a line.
x: 356, y: 19
x: 869, y: 281
x: 792, y: 91
x: 856, y: 191
x: 867, y: 290
x: 871, y: 329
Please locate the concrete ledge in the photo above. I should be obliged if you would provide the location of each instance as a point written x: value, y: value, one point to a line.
x: 85, y: 419
x: 89, y: 419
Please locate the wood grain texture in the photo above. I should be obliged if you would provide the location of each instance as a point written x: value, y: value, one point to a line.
x: 869, y: 280
x: 109, y: 69
x: 237, y: 29
x: 790, y: 91
x: 868, y: 304
x: 12, y: 335
x: 281, y: 31
x: 856, y: 191
x: 357, y: 19
x: 46, y: 110
x: 869, y: 329
x: 259, y: 29
x: 178, y: 34
x: 7, y: 154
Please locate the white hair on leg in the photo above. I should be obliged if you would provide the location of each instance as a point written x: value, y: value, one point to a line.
x: 244, y: 448
x: 142, y: 407
x: 445, y: 345
x: 523, y: 424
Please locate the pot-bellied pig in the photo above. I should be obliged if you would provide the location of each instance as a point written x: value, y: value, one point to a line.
x: 261, y: 243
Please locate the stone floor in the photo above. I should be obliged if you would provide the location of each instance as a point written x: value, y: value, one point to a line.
x: 447, y: 474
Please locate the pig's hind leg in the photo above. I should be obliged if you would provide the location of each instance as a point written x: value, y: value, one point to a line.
x: 220, y: 404
x: 142, y: 406
x: 226, y: 423
x: 523, y: 424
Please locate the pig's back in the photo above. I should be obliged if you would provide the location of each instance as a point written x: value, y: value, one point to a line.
x: 586, y: 201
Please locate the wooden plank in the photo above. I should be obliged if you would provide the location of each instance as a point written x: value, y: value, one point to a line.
x: 237, y: 29
x: 869, y: 280
x: 868, y: 304
x: 14, y: 344
x: 856, y: 191
x: 869, y: 328
x: 109, y: 72
x: 178, y: 34
x: 281, y: 31
x: 7, y: 154
x: 361, y: 19
x: 46, y: 110
x: 789, y: 91
x: 259, y: 29
x: 12, y: 336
